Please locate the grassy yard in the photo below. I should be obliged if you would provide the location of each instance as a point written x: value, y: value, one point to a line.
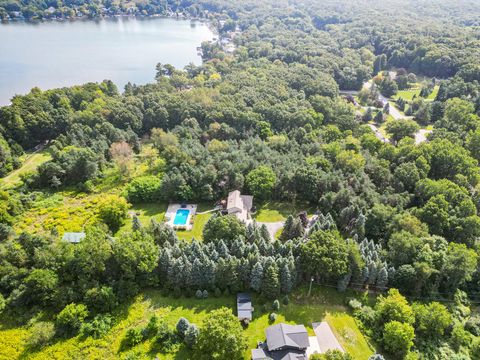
x: 146, y: 212
x: 30, y: 162
x: 274, y: 211
x: 323, y: 304
x: 408, y: 94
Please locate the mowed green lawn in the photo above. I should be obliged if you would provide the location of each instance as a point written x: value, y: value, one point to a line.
x: 274, y: 211
x: 30, y: 163
x: 323, y: 304
x: 408, y: 94
x: 148, y: 211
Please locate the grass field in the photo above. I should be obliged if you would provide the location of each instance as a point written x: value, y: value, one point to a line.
x: 408, y: 94
x: 146, y: 212
x: 323, y: 304
x: 273, y: 211
x: 30, y: 162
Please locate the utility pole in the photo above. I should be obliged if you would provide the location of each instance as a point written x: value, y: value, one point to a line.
x: 310, y: 288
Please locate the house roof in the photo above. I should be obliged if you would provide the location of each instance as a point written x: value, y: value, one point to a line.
x: 234, y: 200
x: 244, y: 306
x: 289, y: 354
x: 73, y: 237
x: 283, y: 335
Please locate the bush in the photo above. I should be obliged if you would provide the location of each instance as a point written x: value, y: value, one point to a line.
x: 285, y: 300
x: 143, y: 189
x: 132, y: 337
x: 151, y: 329
x: 98, y: 327
x: 191, y: 335
x: 101, y: 299
x: 272, y: 317
x: 113, y: 212
x: 354, y: 304
x: 166, y: 337
x: 182, y: 327
x: 41, y: 334
x: 71, y: 318
x: 205, y: 294
x: 217, y: 293
x: 199, y: 294
x: 276, y: 305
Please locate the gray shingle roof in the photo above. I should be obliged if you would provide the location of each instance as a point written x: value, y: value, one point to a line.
x: 283, y: 335
x: 244, y: 306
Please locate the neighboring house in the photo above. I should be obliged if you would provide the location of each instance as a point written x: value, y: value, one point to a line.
x: 73, y: 237
x: 244, y: 307
x: 239, y: 205
x: 284, y: 342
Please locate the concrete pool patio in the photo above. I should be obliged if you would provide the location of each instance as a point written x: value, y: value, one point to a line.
x: 173, y: 212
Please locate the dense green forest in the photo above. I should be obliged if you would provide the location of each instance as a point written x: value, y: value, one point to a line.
x: 270, y: 120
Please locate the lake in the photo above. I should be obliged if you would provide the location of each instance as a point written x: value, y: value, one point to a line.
x: 57, y: 54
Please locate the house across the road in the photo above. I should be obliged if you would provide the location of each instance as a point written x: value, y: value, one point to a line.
x: 73, y: 237
x: 244, y: 307
x: 239, y: 205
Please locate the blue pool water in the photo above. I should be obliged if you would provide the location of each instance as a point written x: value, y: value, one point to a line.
x: 181, y: 217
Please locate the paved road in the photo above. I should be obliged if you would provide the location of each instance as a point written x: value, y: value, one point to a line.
x: 420, y: 136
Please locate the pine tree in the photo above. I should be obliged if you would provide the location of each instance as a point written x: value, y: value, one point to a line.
x: 136, y: 224
x: 382, y: 278
x: 191, y: 335
x: 343, y: 282
x: 182, y: 327
x: 287, y: 229
x: 297, y: 231
x: 379, y: 117
x: 256, y: 277
x: 264, y: 233
x: 286, y: 283
x: 271, y: 285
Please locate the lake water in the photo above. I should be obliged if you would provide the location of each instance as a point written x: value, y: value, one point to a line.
x: 56, y: 54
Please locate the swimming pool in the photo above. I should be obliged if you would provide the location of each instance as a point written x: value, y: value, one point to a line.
x: 181, y: 217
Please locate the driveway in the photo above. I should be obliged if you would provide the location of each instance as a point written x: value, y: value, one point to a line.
x: 421, y: 136
x: 272, y: 227
x: 326, y: 338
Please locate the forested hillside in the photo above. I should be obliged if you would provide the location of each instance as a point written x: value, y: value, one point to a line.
x: 288, y: 118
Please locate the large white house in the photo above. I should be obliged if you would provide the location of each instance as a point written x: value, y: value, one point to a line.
x: 239, y: 205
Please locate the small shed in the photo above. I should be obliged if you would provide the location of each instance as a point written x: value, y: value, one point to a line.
x: 244, y: 306
x: 73, y: 237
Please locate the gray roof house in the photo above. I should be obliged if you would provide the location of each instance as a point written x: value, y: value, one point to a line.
x: 239, y: 205
x: 284, y: 342
x: 73, y: 237
x: 244, y: 306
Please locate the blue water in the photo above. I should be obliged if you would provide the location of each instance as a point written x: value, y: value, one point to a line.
x: 55, y: 54
x: 181, y: 217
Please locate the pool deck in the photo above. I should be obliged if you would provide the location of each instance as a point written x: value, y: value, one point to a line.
x: 172, y: 211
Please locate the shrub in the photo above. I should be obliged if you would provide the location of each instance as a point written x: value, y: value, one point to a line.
x: 276, y: 305
x: 101, y: 299
x: 217, y: 293
x: 151, y: 329
x: 41, y: 334
x: 199, y: 294
x: 113, y: 211
x: 98, y: 327
x: 71, y: 318
x: 285, y: 300
x: 143, y: 189
x: 166, y: 336
x: 132, y: 337
x: 204, y: 294
x: 182, y: 327
x: 354, y: 304
x: 272, y: 317
x: 191, y: 335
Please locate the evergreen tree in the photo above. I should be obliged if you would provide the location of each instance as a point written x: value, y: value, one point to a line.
x: 287, y: 229
x: 271, y: 284
x: 136, y: 224
x: 286, y: 283
x: 257, y: 277
x: 182, y: 327
x: 382, y: 278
